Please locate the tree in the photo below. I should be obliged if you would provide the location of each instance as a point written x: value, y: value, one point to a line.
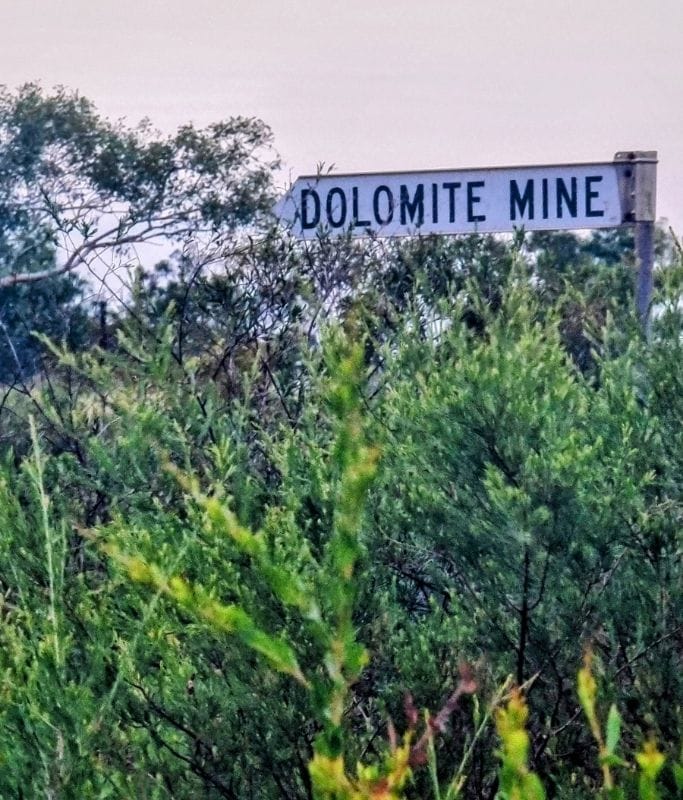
x: 54, y: 307
x: 520, y: 508
x: 79, y: 192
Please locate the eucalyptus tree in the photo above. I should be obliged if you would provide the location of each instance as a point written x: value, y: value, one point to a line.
x: 80, y: 195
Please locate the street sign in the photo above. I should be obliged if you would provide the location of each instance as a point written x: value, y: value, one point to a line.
x: 494, y: 200
x: 561, y: 197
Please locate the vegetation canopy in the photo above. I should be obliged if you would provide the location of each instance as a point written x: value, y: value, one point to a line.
x: 338, y: 520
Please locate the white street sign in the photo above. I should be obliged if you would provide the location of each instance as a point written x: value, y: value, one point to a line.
x: 569, y: 196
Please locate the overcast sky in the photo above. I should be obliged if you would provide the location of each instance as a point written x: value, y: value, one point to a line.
x: 373, y: 85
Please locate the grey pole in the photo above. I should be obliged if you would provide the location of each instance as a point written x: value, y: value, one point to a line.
x: 638, y: 173
x: 644, y: 233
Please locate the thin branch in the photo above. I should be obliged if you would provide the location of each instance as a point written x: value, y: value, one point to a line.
x: 647, y: 649
x: 198, y: 769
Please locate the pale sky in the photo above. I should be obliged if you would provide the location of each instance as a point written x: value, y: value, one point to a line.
x: 372, y: 85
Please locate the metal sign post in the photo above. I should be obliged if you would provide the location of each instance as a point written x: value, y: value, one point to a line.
x: 489, y: 200
x: 641, y: 175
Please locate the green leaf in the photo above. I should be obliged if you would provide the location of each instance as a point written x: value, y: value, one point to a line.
x: 678, y: 776
x: 613, y: 729
x: 612, y: 760
x: 279, y: 653
x: 532, y: 787
x: 476, y: 711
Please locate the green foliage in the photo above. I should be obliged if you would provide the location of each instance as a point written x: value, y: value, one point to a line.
x: 507, y: 522
x: 78, y: 194
x: 53, y: 308
x: 517, y: 782
x: 212, y: 585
